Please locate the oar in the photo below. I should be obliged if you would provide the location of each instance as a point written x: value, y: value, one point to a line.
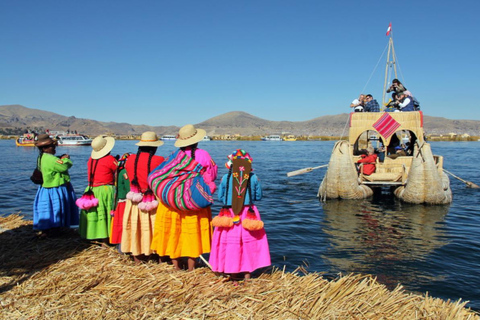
x: 468, y: 183
x: 305, y: 170
x: 205, y: 261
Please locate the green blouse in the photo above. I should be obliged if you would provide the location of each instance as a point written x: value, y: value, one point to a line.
x: 54, y: 170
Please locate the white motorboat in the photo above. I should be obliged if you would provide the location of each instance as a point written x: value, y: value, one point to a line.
x: 73, y: 140
x: 272, y: 137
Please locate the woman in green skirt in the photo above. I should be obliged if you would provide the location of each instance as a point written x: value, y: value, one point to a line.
x: 98, y: 200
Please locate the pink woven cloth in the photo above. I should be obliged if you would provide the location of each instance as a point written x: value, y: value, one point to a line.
x: 236, y: 249
x: 211, y: 169
x: 386, y: 125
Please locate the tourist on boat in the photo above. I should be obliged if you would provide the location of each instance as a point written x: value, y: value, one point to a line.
x: 141, y: 205
x: 404, y: 102
x: 54, y: 205
x: 371, y: 105
x: 368, y: 161
x: 122, y: 188
x: 396, y: 86
x: 186, y: 233
x: 239, y: 244
x: 391, y: 106
x: 357, y: 104
x: 380, y: 152
x: 416, y: 103
x: 394, y: 143
x: 95, y: 218
x: 399, y: 152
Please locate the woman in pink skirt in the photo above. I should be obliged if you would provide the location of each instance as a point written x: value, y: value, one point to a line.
x: 239, y: 244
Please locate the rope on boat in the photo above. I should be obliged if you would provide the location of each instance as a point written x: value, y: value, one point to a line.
x: 344, y: 128
x: 374, y: 69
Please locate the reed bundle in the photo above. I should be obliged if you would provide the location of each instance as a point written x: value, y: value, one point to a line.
x: 426, y: 183
x: 341, y: 179
x: 65, y: 278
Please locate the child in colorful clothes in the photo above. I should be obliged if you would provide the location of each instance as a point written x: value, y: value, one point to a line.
x: 95, y: 221
x: 239, y: 243
x: 122, y: 188
x: 186, y: 233
x: 141, y: 205
x: 54, y: 206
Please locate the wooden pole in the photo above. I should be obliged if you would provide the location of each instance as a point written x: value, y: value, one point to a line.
x: 468, y: 183
x: 305, y: 170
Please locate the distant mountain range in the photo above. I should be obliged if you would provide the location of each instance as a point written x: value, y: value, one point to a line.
x: 14, y: 119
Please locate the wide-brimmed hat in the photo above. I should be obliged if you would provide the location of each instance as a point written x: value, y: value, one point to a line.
x: 102, y: 145
x: 149, y: 139
x: 188, y: 135
x: 44, y: 140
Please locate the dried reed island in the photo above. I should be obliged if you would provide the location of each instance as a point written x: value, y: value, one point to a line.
x: 67, y: 278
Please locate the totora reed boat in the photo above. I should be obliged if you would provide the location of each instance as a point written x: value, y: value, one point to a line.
x: 414, y: 175
x: 26, y: 140
x: 417, y: 177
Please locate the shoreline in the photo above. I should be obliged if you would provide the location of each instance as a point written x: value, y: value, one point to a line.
x: 69, y: 277
x: 311, y: 138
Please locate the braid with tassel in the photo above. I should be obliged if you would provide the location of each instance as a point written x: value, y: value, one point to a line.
x: 224, y: 219
x: 251, y: 222
x: 135, y: 194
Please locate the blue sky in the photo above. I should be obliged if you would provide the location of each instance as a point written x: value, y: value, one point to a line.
x: 177, y: 62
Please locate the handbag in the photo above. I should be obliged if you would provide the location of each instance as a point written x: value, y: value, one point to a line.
x: 179, y: 184
x: 37, y: 176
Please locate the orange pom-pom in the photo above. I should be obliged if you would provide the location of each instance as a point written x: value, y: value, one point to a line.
x: 252, y: 225
x: 222, y: 221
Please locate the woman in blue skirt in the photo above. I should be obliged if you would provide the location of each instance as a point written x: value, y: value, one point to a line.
x: 54, y: 206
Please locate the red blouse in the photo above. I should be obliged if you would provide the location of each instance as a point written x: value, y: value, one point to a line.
x: 142, y: 172
x: 368, y: 164
x: 105, y: 169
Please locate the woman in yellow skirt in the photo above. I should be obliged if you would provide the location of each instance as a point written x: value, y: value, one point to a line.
x: 141, y: 204
x: 188, y: 234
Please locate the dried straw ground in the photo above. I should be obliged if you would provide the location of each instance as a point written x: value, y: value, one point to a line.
x: 65, y: 278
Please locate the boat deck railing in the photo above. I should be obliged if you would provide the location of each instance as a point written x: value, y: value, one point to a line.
x: 392, y: 172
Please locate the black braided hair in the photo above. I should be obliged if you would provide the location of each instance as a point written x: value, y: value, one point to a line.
x: 134, y: 180
x: 151, y: 151
x: 249, y: 188
x: 193, y: 147
x: 39, y: 158
x: 228, y: 184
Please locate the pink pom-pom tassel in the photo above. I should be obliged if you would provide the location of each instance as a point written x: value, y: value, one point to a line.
x: 141, y: 206
x: 137, y: 197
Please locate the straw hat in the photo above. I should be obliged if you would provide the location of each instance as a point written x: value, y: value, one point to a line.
x: 188, y: 135
x: 44, y: 140
x: 149, y: 139
x: 101, y: 146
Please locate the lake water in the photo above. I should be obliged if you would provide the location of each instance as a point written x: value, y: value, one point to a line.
x: 425, y: 248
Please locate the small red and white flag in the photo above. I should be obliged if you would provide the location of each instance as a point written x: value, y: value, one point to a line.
x: 389, y: 29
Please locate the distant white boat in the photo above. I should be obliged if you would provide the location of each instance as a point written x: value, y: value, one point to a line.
x: 272, y: 137
x: 73, y: 140
x: 207, y: 138
x: 169, y: 137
